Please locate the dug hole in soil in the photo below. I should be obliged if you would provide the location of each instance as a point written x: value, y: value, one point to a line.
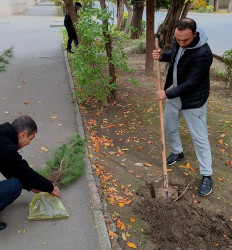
x: 192, y: 222
x: 181, y: 225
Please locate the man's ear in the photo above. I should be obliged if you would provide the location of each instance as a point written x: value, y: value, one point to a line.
x: 22, y: 135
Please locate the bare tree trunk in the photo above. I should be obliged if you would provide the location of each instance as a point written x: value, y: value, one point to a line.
x: 167, y: 28
x: 129, y: 18
x: 230, y: 87
x: 150, y: 11
x: 215, y: 5
x: 108, y: 46
x: 138, y: 7
x: 186, y: 9
x: 120, y: 14
x: 72, y: 14
x: 229, y: 9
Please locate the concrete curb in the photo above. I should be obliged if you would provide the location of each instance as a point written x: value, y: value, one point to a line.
x: 95, y: 199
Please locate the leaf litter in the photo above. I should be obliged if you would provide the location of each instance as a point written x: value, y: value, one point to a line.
x: 192, y: 222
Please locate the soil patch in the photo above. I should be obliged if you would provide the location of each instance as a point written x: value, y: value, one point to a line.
x: 125, y: 149
x: 180, y: 225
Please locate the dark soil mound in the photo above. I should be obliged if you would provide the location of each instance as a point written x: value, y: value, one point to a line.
x: 180, y: 225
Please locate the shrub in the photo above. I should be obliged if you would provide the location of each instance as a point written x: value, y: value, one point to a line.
x: 90, y: 61
x: 207, y: 9
x: 227, y: 58
x: 4, y: 58
x: 140, y: 48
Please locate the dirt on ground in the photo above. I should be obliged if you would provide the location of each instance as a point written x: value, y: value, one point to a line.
x: 125, y: 150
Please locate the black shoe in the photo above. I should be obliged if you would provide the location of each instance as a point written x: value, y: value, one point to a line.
x: 206, y: 186
x: 70, y: 51
x: 2, y: 225
x: 173, y: 158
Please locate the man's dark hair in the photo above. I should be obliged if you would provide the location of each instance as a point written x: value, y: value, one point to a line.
x: 186, y: 23
x: 24, y: 123
x: 78, y: 4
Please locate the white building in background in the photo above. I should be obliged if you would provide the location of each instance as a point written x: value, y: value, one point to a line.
x: 11, y: 7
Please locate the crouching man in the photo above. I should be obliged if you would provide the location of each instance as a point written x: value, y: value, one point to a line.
x: 16, y: 170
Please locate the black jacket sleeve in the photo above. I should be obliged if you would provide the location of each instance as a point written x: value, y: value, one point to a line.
x: 166, y: 56
x: 16, y: 167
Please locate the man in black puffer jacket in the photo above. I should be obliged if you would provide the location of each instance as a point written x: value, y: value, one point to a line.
x: 188, y: 76
x: 16, y: 170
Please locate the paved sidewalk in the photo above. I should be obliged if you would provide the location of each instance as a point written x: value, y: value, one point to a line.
x: 37, y: 83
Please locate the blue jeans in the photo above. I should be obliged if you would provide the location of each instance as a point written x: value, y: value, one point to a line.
x: 10, y: 190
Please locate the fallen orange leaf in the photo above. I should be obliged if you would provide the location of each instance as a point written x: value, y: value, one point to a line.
x: 127, y: 192
x: 220, y: 179
x: 131, y: 245
x: 26, y: 103
x: 112, y: 234
x: 169, y: 169
x: 220, y: 141
x: 44, y: 149
x: 111, y: 126
x: 188, y: 165
x: 132, y: 219
x: 53, y: 117
x: 124, y: 237
x: 221, y: 150
x: 147, y: 164
x: 125, y: 149
x: 192, y: 169
x: 121, y: 225
x: 228, y: 163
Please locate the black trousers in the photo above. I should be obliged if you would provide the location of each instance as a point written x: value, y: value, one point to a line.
x: 72, y: 36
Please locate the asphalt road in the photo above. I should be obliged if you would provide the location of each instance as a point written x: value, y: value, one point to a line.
x: 217, y: 27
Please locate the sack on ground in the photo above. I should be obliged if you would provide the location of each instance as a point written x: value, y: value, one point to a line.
x: 45, y: 206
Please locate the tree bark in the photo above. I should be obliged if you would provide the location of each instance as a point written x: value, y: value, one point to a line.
x: 215, y: 5
x: 108, y: 46
x: 230, y: 87
x: 72, y: 14
x: 150, y: 11
x: 120, y: 14
x: 167, y: 28
x: 138, y: 7
x: 186, y: 9
x: 129, y: 18
x: 229, y: 9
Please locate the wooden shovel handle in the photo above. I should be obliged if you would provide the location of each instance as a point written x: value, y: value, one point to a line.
x: 161, y: 120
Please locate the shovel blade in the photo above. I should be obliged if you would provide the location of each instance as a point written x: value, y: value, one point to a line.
x: 161, y: 192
